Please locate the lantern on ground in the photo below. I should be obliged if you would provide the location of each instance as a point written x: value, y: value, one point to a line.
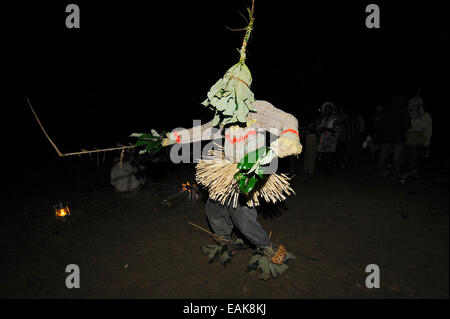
x: 62, y: 211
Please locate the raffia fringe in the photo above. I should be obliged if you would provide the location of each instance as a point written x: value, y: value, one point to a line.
x: 216, y: 173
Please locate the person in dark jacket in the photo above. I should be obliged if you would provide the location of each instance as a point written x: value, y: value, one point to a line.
x: 393, y: 127
x: 351, y: 138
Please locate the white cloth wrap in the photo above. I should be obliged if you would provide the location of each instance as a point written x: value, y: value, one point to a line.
x: 242, y: 140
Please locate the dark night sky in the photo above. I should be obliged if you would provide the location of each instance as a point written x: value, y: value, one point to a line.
x: 132, y: 67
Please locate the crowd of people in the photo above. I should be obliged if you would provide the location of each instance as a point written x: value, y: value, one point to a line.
x: 391, y: 143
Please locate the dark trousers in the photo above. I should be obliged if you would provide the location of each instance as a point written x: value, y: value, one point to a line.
x: 413, y: 153
x: 398, y: 153
x: 223, y: 219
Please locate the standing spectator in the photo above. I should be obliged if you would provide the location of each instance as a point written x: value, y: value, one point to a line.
x: 310, y: 149
x: 329, y: 133
x: 352, y: 131
x: 371, y: 144
x: 342, y: 138
x: 393, y: 129
x: 374, y: 130
x: 418, y: 136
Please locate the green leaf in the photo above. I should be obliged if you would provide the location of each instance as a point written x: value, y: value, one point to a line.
x: 214, y: 89
x: 145, y: 136
x: 226, y: 93
x: 152, y: 142
x: 231, y: 106
x: 136, y: 134
x: 263, y: 266
x: 222, y: 104
x: 213, y: 251
x: 205, y: 102
x: 249, y: 174
x: 253, y: 263
x: 260, y: 173
x: 251, y: 158
x: 225, y: 258
x: 281, y: 268
x: 272, y: 270
x: 251, y: 184
x: 216, y: 119
x: 141, y: 143
x: 238, y: 175
x: 244, y: 165
x: 242, y: 183
x: 215, y: 101
x: 241, y: 113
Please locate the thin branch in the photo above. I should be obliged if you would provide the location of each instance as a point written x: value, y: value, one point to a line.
x: 43, y: 130
x: 73, y: 153
x: 246, y: 28
x: 243, y: 16
x: 98, y: 151
x: 241, y: 29
x: 208, y: 232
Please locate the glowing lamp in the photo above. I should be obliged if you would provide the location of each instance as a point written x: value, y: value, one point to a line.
x: 62, y: 211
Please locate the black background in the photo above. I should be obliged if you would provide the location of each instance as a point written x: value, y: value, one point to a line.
x: 133, y: 66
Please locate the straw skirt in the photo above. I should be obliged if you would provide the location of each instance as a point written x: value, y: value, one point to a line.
x: 216, y: 174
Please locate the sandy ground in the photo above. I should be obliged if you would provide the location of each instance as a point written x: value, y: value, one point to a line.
x: 131, y: 246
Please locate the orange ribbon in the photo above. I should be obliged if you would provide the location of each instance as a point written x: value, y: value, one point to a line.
x: 240, y: 139
x: 290, y: 130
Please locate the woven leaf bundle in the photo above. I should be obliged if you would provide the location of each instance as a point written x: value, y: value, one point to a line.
x: 230, y: 96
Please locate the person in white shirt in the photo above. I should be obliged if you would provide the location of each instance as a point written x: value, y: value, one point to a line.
x: 418, y: 137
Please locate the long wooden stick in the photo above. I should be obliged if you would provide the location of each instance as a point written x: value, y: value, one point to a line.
x: 73, y: 153
x: 43, y: 130
x: 102, y: 150
x: 207, y: 231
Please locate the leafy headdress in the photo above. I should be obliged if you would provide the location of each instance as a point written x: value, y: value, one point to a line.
x: 230, y: 96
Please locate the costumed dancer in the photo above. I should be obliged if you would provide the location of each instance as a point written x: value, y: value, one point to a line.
x: 237, y: 175
x: 329, y: 134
